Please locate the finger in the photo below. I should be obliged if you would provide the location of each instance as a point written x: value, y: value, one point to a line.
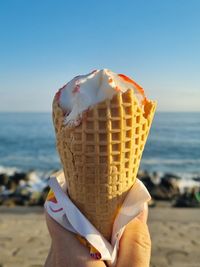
x: 50, y: 261
x: 144, y: 214
x: 55, y: 229
x: 135, y: 245
x: 68, y: 248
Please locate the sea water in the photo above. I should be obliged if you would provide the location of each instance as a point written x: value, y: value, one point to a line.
x: 27, y: 141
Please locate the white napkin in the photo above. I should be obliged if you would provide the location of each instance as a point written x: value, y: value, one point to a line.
x: 70, y: 217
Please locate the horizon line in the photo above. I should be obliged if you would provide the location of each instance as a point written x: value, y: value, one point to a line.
x: 159, y: 111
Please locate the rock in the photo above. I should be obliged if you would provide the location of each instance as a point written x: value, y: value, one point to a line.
x: 1, y: 200
x: 24, y: 191
x: 152, y: 183
x: 160, y: 193
x: 18, y: 176
x: 34, y: 199
x: 196, y: 179
x: 170, y: 176
x: 156, y: 178
x: 4, y: 179
x: 44, y: 195
x: 22, y: 188
x: 169, y: 183
x: 147, y: 179
x: 8, y: 198
x: 188, y: 199
x: 11, y: 185
x: 148, y: 182
x: 165, y: 188
x: 2, y: 188
x: 22, y: 196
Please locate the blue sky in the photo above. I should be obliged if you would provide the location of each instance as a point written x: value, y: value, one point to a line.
x: 45, y: 43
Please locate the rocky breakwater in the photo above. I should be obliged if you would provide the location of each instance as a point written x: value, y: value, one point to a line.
x: 31, y: 189
x: 180, y: 192
x: 23, y: 188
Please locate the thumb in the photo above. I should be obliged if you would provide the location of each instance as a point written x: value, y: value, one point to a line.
x: 135, y: 244
x: 144, y: 214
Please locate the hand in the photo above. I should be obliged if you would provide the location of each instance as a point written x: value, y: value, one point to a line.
x: 135, y: 244
x: 67, y: 251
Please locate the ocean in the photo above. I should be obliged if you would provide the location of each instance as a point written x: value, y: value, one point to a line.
x: 27, y: 142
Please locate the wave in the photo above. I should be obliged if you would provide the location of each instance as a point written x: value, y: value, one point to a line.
x: 170, y: 161
x: 8, y: 170
x: 44, y: 174
x: 40, y: 174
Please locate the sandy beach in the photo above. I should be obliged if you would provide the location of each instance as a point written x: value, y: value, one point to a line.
x: 24, y: 240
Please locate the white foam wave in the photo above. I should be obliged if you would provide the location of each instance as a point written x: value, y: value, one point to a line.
x: 156, y: 161
x: 8, y: 170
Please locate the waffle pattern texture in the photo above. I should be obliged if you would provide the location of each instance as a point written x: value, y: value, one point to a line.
x: 101, y: 156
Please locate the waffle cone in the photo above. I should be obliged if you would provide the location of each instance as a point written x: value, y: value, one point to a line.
x: 101, y: 156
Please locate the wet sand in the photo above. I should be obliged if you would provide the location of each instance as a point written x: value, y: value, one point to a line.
x: 175, y: 233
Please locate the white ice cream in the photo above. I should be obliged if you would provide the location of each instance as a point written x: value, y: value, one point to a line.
x: 84, y: 91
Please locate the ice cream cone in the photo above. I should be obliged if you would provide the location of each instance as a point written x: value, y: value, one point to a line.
x: 101, y: 156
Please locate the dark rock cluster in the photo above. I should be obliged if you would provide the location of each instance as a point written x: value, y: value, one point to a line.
x: 170, y: 187
x: 27, y: 189
x: 22, y: 188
